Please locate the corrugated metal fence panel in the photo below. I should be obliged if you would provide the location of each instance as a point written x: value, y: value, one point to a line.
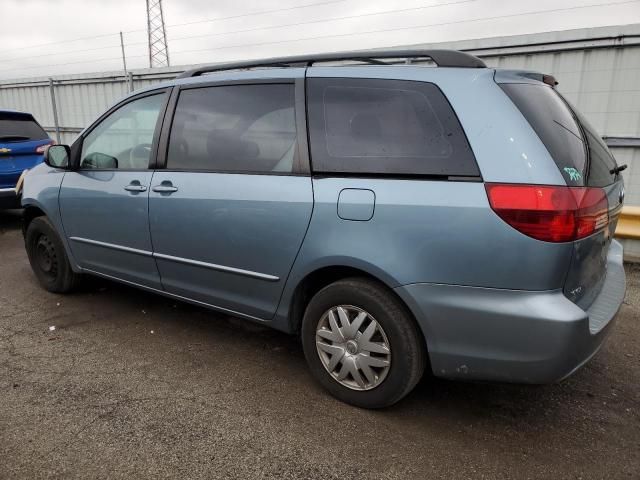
x: 28, y: 99
x: 80, y: 104
x: 80, y: 99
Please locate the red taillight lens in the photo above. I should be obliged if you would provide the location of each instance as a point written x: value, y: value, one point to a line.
x: 549, y: 213
x: 43, y: 148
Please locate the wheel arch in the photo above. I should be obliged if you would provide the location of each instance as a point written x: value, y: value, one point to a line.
x: 318, y: 278
x: 34, y: 209
x: 30, y: 212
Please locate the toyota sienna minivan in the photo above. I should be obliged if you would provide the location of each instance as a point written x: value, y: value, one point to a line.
x: 400, y: 211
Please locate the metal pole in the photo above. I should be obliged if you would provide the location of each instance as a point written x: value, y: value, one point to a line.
x: 124, y: 59
x: 55, y: 109
x: 130, y: 81
x: 127, y: 76
x: 149, y: 35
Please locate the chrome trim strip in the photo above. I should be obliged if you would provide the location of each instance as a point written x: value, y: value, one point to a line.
x: 144, y: 253
x: 222, y: 268
x: 187, y: 261
x: 7, y: 190
x: 173, y: 295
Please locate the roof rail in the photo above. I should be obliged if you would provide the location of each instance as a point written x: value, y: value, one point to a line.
x: 442, y: 58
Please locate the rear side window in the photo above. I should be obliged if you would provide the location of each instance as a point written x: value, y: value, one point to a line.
x: 385, y: 127
x: 576, y: 148
x: 601, y: 161
x: 236, y: 128
x: 19, y: 127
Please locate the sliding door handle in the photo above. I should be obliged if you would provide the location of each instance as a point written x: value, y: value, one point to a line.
x: 165, y: 189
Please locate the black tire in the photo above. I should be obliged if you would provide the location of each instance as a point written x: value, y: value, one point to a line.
x: 48, y: 258
x: 408, y: 352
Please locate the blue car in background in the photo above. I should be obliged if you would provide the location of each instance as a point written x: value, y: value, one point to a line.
x: 22, y: 145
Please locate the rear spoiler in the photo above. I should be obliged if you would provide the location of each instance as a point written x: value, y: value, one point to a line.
x: 9, y: 115
x: 524, y: 76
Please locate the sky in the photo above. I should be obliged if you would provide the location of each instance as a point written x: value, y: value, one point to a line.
x: 52, y: 37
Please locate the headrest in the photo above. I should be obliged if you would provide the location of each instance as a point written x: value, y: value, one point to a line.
x: 228, y: 147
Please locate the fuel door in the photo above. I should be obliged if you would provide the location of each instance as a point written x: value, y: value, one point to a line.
x: 357, y: 204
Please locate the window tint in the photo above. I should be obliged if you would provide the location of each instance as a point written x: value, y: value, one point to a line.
x: 601, y: 161
x: 124, y: 138
x: 15, y: 127
x: 385, y: 126
x: 239, y: 128
x: 550, y: 116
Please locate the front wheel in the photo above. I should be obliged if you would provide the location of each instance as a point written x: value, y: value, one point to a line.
x: 48, y: 258
x: 361, y: 344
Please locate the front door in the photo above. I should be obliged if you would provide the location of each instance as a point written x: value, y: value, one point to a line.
x: 105, y: 202
x: 230, y: 211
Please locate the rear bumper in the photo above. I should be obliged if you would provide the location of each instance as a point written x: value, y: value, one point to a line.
x: 513, y: 335
x: 8, y: 198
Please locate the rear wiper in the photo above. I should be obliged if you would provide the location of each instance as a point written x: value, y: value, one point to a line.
x: 15, y: 138
x: 618, y: 169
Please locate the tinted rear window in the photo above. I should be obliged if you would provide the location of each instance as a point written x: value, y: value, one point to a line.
x: 385, y: 127
x: 562, y: 130
x: 16, y: 127
x: 601, y: 161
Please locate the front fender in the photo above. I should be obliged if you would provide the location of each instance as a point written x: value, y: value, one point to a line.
x: 40, y: 190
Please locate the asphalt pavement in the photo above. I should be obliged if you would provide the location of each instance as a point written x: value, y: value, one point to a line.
x: 114, y: 382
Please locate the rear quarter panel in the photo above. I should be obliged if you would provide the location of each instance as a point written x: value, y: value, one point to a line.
x: 425, y: 232
x: 429, y: 231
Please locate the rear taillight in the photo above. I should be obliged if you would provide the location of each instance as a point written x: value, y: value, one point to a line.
x: 43, y: 148
x: 549, y: 213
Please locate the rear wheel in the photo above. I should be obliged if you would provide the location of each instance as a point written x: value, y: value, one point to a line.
x: 48, y: 258
x: 361, y: 343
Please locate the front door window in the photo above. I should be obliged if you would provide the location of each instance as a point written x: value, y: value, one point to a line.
x: 123, y: 140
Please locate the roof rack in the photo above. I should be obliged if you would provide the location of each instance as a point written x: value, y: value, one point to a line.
x: 442, y: 58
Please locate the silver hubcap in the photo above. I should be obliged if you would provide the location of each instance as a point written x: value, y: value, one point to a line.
x: 353, y: 347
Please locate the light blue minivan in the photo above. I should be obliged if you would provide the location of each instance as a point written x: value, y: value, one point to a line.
x: 398, y: 210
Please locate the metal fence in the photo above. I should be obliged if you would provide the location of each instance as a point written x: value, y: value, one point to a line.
x: 598, y: 70
x: 64, y: 105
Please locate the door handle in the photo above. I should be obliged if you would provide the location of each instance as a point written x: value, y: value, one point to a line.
x: 165, y: 188
x: 135, y: 187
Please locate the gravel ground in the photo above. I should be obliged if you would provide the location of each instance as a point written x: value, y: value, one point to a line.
x: 133, y: 385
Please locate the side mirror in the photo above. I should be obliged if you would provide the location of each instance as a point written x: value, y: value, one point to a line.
x: 57, y: 156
